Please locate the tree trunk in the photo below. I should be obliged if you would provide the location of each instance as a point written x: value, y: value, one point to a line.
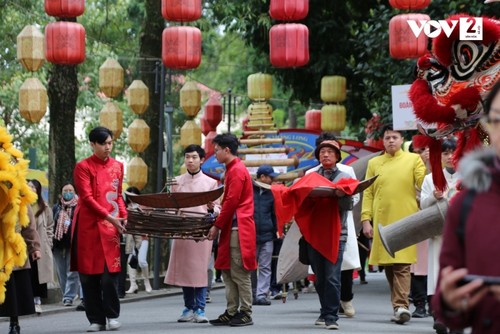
x: 63, y: 93
x: 292, y: 118
x: 150, y: 52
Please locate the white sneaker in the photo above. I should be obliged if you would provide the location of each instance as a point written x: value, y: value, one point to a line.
x: 96, y: 328
x: 186, y: 316
x: 200, y: 317
x: 38, y: 309
x: 113, y: 324
x: 349, y: 310
x: 401, y: 315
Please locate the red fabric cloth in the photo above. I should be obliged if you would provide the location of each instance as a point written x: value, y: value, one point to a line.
x: 238, y: 198
x: 99, y: 187
x: 317, y: 217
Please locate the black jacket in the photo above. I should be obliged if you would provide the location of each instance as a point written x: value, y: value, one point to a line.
x: 264, y: 216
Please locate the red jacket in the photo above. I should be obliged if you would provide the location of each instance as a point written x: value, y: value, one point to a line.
x: 238, y: 198
x: 95, y: 240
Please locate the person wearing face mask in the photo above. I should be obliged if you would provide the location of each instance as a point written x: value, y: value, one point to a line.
x: 63, y: 215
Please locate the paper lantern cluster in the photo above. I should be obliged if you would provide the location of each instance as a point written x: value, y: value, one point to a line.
x: 190, y: 102
x: 403, y: 44
x: 138, y: 134
x: 333, y: 90
x: 111, y: 83
x: 181, y: 45
x: 289, y: 42
x: 63, y: 43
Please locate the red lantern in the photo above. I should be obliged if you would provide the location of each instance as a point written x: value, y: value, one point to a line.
x: 402, y: 42
x: 288, y: 10
x: 313, y: 120
x: 213, y: 112
x: 64, y: 8
x: 65, y: 43
x: 181, y: 10
x: 409, y: 4
x: 289, y: 45
x: 181, y: 47
x: 209, y: 145
x: 204, y: 125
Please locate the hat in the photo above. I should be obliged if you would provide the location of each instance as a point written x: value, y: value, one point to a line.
x: 266, y: 170
x: 330, y: 143
x: 421, y: 141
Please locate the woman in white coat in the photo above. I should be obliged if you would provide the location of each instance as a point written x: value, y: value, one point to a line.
x: 42, y: 270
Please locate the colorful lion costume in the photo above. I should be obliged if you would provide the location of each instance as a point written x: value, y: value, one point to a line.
x: 452, y: 80
x: 15, y: 196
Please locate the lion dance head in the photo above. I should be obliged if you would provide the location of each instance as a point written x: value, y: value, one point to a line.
x: 452, y: 80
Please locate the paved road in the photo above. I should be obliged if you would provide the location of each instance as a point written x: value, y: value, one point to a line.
x: 157, y: 313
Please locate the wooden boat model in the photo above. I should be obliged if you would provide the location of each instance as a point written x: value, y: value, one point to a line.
x: 330, y: 191
x: 176, y: 200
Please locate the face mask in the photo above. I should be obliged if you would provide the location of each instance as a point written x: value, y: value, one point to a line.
x: 68, y: 196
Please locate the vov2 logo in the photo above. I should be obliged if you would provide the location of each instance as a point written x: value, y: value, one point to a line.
x: 471, y: 28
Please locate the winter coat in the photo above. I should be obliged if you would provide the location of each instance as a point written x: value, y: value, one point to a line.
x: 264, y: 216
x: 479, y: 247
x: 45, y: 227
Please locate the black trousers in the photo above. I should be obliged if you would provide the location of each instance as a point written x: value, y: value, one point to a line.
x: 346, y: 294
x: 101, y: 296
x: 122, y: 278
x: 419, y: 290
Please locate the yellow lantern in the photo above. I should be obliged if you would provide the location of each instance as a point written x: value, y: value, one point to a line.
x: 333, y: 88
x: 32, y: 100
x: 138, y: 135
x: 333, y: 117
x: 111, y: 77
x: 138, y: 97
x: 137, y: 173
x: 111, y: 117
x: 190, y: 134
x: 260, y: 86
x: 31, y: 48
x: 190, y: 97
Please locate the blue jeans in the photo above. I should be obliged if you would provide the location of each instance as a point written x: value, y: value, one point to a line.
x: 68, y: 280
x: 194, y: 298
x: 327, y: 282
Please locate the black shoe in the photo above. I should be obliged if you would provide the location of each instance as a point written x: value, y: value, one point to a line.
x: 241, y: 319
x: 261, y: 301
x: 14, y: 329
x: 330, y: 324
x: 419, y: 312
x: 440, y: 328
x: 223, y: 320
x: 81, y: 306
x: 218, y: 280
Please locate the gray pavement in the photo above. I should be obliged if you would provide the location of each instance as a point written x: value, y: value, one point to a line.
x: 157, y: 313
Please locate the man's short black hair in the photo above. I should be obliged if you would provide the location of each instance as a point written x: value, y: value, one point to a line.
x: 100, y: 134
x: 390, y: 128
x: 448, y: 145
x: 195, y: 148
x: 227, y: 140
x: 325, y: 135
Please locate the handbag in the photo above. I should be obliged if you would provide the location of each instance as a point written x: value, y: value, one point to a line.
x: 133, y: 261
x: 303, y: 255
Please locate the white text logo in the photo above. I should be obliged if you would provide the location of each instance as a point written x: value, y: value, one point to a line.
x: 471, y: 28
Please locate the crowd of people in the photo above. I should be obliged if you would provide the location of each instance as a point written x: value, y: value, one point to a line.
x: 84, y: 235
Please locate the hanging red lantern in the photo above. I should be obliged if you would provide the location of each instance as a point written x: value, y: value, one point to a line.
x: 65, y: 43
x: 289, y: 10
x: 204, y: 125
x: 181, y: 47
x: 213, y: 112
x: 409, y: 4
x: 289, y: 45
x: 313, y: 120
x: 181, y: 10
x: 402, y: 42
x: 64, y: 8
x: 209, y: 143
